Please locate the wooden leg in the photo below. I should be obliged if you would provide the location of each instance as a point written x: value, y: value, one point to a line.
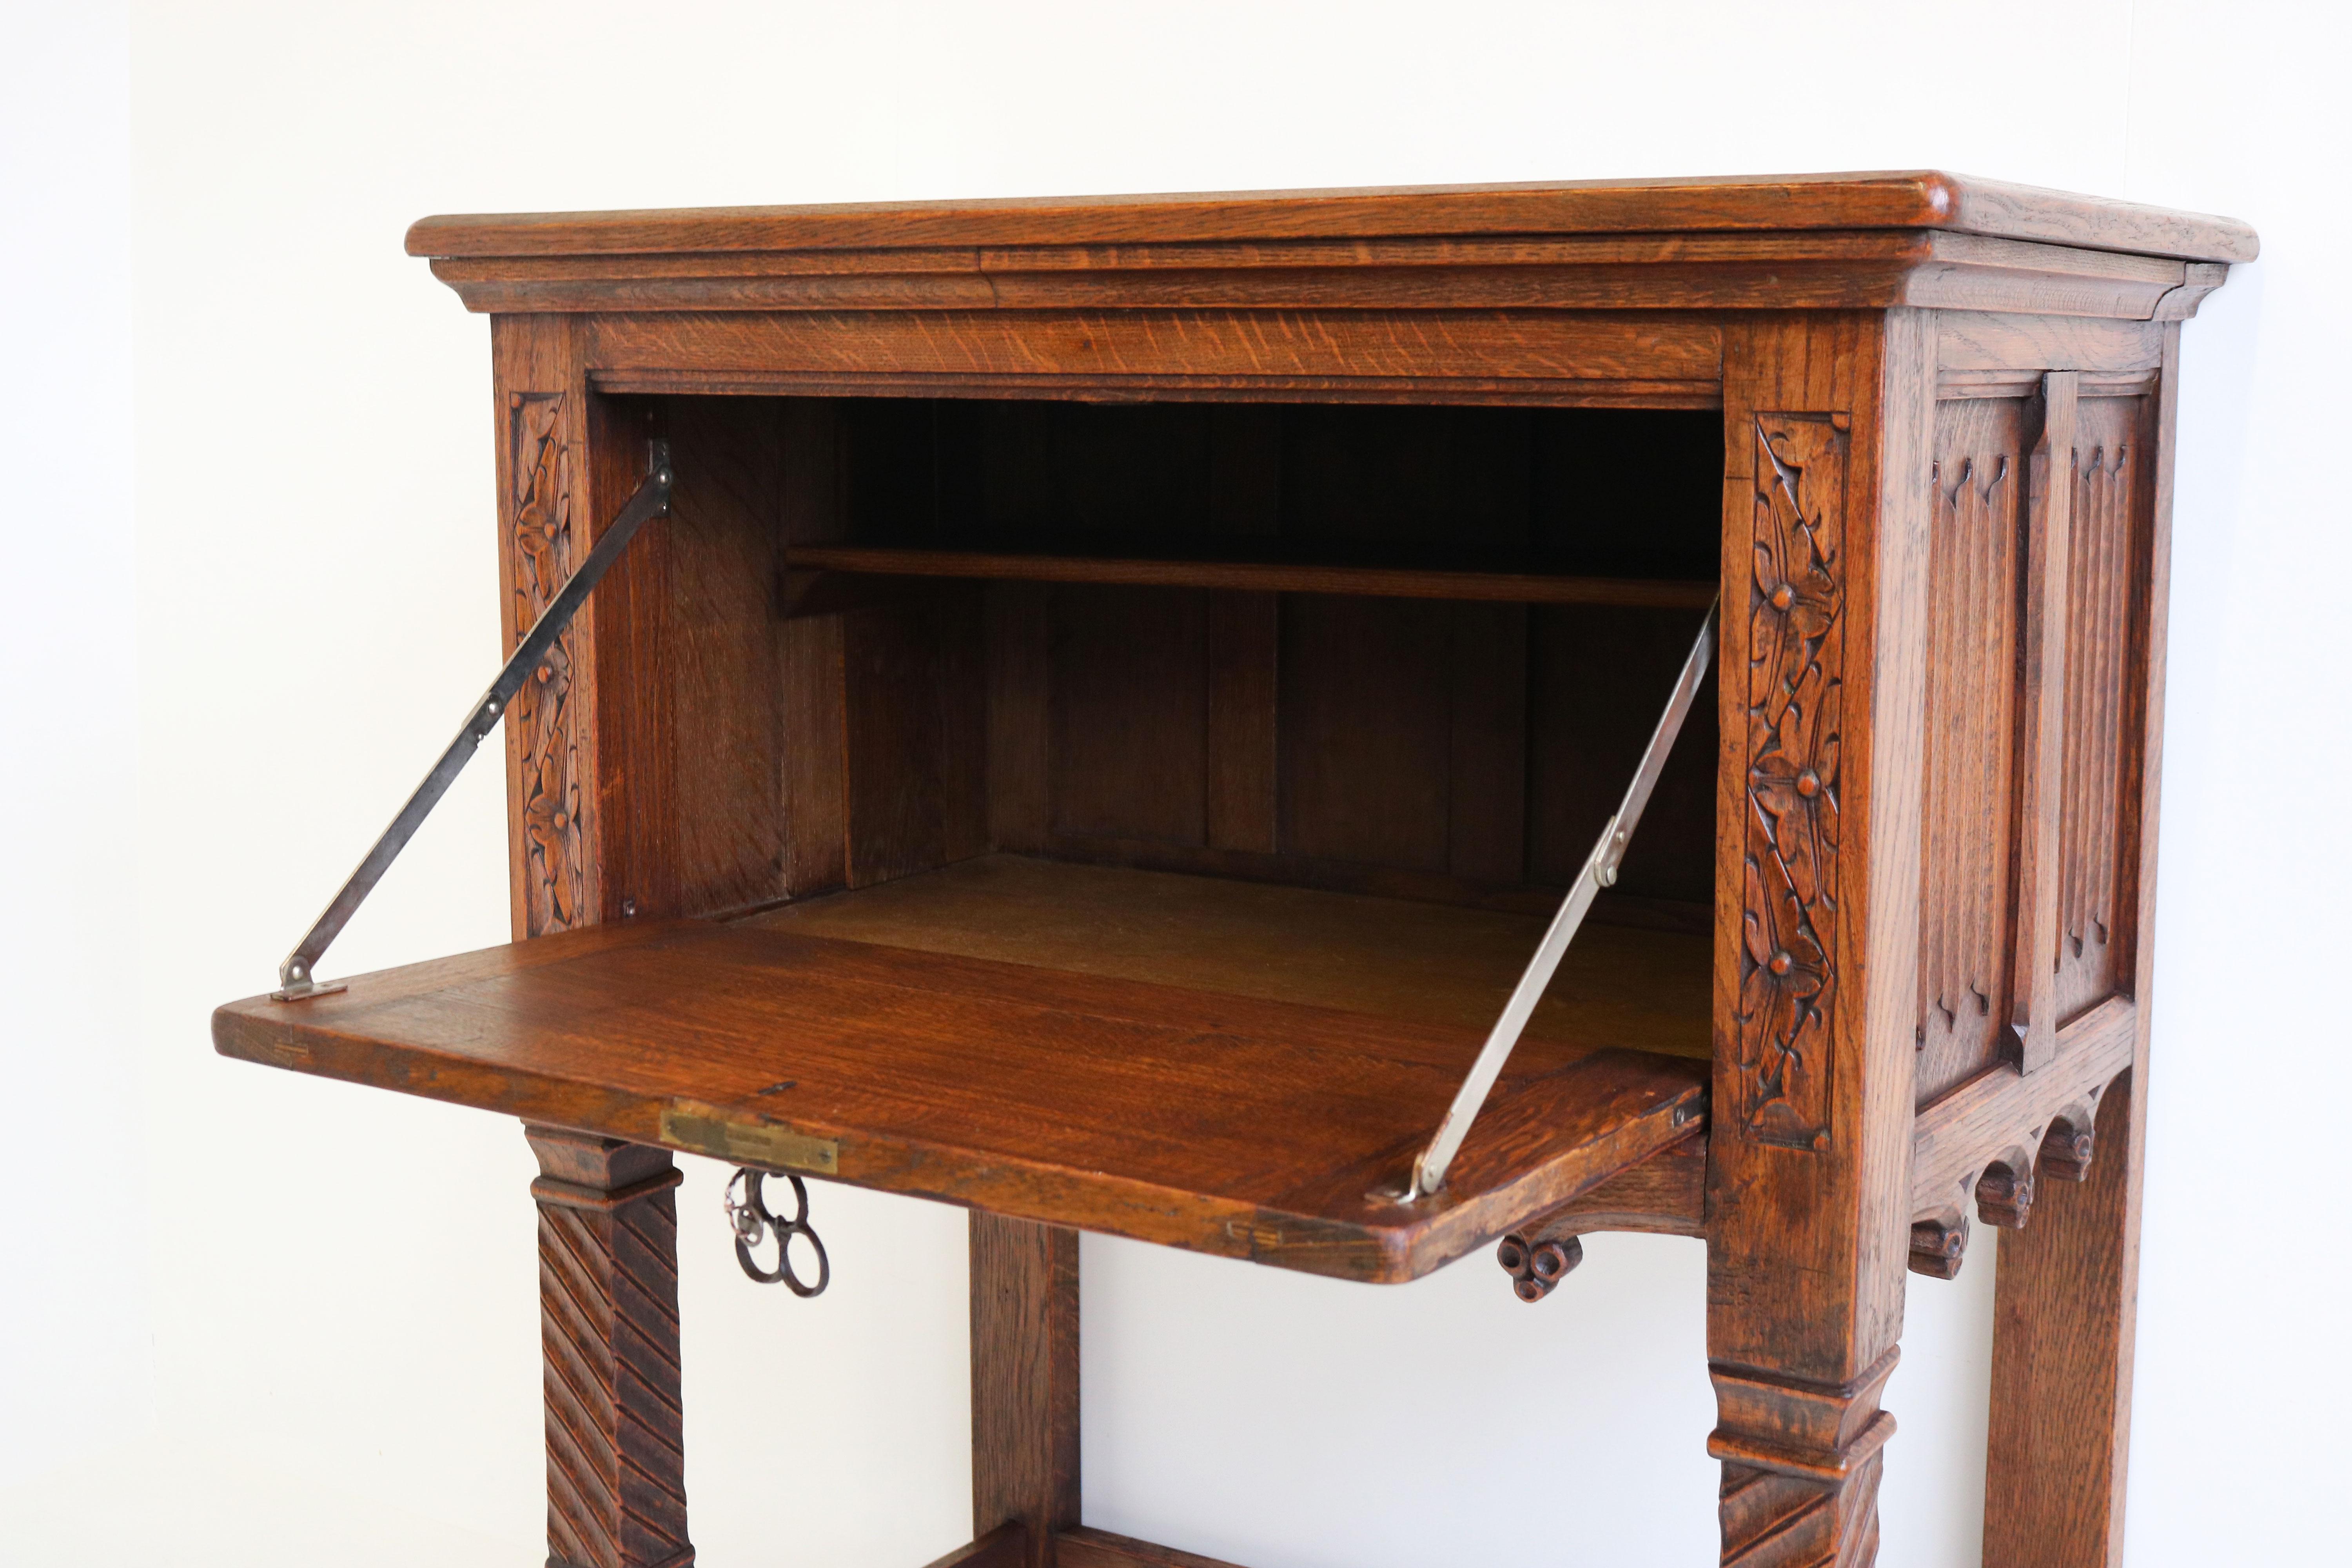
x: 1801, y: 1467
x: 608, y: 1329
x: 1024, y: 1381
x: 2063, y: 1320
x: 1829, y: 435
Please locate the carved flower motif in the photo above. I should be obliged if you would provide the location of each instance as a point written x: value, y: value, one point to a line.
x: 1784, y: 1030
x: 1792, y: 786
x: 551, y: 814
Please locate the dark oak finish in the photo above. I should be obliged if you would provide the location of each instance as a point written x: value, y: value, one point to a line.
x: 1125, y: 679
x: 608, y: 1321
x: 1024, y: 1383
x: 1202, y: 1118
x: 1827, y: 420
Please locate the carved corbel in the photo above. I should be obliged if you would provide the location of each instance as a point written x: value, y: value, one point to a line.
x: 2005, y: 1189
x: 1982, y: 1143
x: 2067, y: 1147
x: 1939, y: 1244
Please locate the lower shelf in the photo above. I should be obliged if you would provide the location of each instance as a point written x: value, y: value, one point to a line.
x: 1219, y: 1065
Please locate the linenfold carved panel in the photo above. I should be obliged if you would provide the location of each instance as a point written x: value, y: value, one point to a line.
x: 546, y: 728
x: 1796, y: 663
x: 1969, y: 823
x: 2102, y: 764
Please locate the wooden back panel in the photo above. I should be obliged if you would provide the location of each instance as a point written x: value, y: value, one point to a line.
x: 1454, y: 751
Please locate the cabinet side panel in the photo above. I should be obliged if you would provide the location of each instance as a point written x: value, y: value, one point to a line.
x: 1969, y: 824
x: 724, y: 671
x: 2102, y: 761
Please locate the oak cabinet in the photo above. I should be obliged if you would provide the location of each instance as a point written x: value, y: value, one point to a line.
x: 1120, y: 686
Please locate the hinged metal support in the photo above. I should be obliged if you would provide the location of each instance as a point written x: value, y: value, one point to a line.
x: 1599, y: 871
x: 298, y: 977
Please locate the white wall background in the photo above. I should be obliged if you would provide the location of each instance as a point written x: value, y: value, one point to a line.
x: 253, y: 1319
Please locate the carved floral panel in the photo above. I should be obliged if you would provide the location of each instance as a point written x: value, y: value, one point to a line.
x: 1796, y: 660
x: 544, y: 723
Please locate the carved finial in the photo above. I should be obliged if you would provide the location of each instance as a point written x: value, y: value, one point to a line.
x: 1939, y: 1244
x: 1536, y: 1266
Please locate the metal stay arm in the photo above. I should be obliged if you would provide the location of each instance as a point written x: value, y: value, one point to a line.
x: 296, y: 977
x: 1599, y: 871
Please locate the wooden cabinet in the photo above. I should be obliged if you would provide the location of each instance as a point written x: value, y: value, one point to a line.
x: 1121, y: 684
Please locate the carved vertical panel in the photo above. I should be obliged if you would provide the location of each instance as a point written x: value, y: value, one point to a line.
x: 544, y: 720
x: 1787, y: 963
x: 2101, y: 767
x: 1966, y: 924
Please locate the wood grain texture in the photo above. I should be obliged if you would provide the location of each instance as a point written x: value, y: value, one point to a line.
x: 1971, y: 345
x: 2061, y: 1370
x: 1024, y: 1383
x: 937, y: 583
x: 1800, y: 1467
x: 1209, y: 1120
x: 1822, y: 270
x: 2043, y: 721
x: 1829, y: 426
x: 2066, y: 1303
x: 1389, y: 957
x: 2004, y: 1111
x: 1978, y: 477
x: 551, y: 758
x: 1792, y: 726
x: 988, y: 354
x: 608, y: 1318
x: 1665, y: 1195
x: 2098, y: 812
x: 1911, y: 199
x: 1820, y: 243
x: 914, y: 740
x: 693, y: 671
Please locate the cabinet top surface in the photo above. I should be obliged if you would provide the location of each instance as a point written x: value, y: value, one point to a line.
x: 1919, y: 200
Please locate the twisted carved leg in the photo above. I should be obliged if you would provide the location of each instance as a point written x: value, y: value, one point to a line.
x: 608, y: 1329
x: 1801, y: 1467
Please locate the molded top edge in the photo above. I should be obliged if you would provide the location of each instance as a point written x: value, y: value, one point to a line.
x: 1916, y: 199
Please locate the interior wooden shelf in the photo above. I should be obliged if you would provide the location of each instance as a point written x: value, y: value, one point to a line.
x: 1223, y: 1065
x: 1374, y: 582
